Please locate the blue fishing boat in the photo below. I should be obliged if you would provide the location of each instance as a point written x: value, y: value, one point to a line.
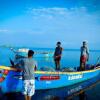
x: 11, y: 79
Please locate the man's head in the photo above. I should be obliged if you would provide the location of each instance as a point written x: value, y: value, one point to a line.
x: 30, y: 53
x: 58, y: 43
x: 84, y: 43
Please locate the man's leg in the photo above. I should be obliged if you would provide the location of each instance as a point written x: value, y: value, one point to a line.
x: 58, y: 64
x: 84, y: 65
x: 31, y: 89
x: 28, y: 97
x: 81, y: 66
x: 25, y: 88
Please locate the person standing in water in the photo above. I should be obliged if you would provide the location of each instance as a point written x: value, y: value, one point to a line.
x: 84, y: 57
x: 57, y: 55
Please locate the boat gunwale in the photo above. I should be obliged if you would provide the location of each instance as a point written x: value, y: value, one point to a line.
x: 57, y: 72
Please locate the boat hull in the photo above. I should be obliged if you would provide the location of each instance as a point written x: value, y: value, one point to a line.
x: 65, y: 79
x: 46, y: 80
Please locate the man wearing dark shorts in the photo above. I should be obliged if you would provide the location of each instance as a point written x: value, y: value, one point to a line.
x: 57, y: 55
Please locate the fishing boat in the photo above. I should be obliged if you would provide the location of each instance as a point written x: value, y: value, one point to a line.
x: 24, y: 52
x: 43, y: 54
x: 21, y: 51
x: 11, y: 78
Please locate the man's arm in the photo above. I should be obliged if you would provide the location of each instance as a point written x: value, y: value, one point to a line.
x: 35, y: 65
x: 81, y: 50
x: 87, y: 51
x: 20, y: 64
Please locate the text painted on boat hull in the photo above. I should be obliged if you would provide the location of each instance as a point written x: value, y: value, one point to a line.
x: 73, y: 77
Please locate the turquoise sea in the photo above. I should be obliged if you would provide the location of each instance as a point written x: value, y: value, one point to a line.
x: 70, y: 58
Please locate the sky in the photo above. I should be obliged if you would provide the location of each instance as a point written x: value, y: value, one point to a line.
x: 41, y: 23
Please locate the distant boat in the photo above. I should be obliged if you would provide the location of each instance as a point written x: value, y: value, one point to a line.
x: 12, y: 81
x: 43, y: 54
x: 23, y: 50
x: 20, y: 50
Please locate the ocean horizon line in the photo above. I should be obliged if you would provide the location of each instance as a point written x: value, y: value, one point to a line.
x: 50, y: 48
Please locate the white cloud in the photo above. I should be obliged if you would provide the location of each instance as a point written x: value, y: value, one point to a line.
x: 55, y: 11
x: 63, y: 23
x: 4, y: 30
x: 63, y: 17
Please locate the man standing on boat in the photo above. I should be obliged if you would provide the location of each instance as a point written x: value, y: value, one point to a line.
x: 84, y: 57
x: 28, y: 66
x: 57, y: 55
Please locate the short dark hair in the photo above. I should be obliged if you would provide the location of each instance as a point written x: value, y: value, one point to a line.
x: 58, y: 42
x: 30, y: 53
